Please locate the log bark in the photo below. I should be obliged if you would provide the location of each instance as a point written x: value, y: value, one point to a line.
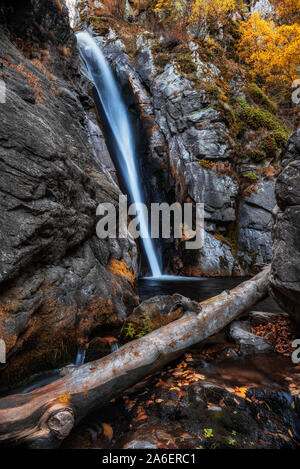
x: 44, y: 417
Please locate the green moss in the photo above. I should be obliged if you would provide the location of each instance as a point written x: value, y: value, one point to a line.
x: 161, y: 60
x: 256, y: 118
x: 254, y: 154
x: 269, y: 146
x: 259, y: 97
x: 138, y: 330
x: 281, y: 138
x: 251, y: 176
x: 186, y: 63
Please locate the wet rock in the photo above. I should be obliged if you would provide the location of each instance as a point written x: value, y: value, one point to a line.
x: 216, y: 191
x: 189, y: 406
x: 211, y: 142
x: 240, y: 332
x: 255, y: 223
x: 140, y: 444
x: 285, y: 273
x: 214, y: 258
x: 157, y: 312
x: 58, y: 280
x: 145, y: 65
x: 263, y: 7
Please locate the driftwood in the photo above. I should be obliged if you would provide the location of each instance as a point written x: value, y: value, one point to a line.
x: 44, y: 417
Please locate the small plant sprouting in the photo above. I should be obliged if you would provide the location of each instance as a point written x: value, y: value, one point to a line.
x: 130, y: 331
x: 208, y: 433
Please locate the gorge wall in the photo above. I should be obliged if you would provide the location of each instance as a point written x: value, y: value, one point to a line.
x: 213, y: 136
x: 59, y: 282
x: 285, y: 275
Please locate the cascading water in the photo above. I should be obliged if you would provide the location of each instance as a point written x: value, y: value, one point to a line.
x: 80, y: 357
x: 118, y: 120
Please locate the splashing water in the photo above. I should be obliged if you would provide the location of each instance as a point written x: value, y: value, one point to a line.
x: 114, y: 347
x: 118, y: 120
x: 80, y: 358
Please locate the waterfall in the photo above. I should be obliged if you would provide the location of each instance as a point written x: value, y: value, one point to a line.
x: 117, y: 117
x: 80, y: 358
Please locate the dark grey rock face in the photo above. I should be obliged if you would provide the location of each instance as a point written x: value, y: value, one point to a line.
x: 285, y: 274
x: 57, y: 278
x: 255, y: 224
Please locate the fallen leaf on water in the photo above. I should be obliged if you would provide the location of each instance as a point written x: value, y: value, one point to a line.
x: 107, y: 431
x: 241, y: 392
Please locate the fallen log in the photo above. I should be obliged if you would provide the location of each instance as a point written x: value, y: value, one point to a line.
x: 44, y: 417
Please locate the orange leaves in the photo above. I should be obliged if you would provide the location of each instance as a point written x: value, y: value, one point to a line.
x: 107, y: 431
x: 241, y: 392
x: 141, y: 414
x: 120, y: 267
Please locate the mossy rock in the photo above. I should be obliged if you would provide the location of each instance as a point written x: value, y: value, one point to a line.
x: 186, y: 63
x: 253, y: 154
x: 256, y: 118
x: 251, y: 176
x: 161, y: 60
x: 260, y: 98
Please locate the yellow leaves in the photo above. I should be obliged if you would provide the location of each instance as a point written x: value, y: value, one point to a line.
x: 195, y: 11
x: 107, y: 431
x: 288, y: 10
x: 273, y: 51
x: 217, y: 9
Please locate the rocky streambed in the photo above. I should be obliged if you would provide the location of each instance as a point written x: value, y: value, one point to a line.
x: 230, y: 402
x: 238, y: 389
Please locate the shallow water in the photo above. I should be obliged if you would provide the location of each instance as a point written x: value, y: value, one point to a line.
x: 198, y: 289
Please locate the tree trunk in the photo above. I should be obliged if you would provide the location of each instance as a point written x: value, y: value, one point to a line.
x: 44, y: 417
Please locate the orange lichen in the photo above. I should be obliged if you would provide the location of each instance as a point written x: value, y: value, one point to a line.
x: 120, y: 267
x: 59, y: 4
x: 65, y: 398
x: 62, y: 50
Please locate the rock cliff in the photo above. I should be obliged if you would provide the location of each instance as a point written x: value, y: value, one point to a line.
x: 207, y: 137
x: 59, y: 282
x: 285, y: 286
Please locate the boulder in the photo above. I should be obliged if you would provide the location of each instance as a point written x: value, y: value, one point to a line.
x: 250, y: 344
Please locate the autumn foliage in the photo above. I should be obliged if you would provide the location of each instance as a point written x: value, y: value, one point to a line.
x: 272, y: 50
